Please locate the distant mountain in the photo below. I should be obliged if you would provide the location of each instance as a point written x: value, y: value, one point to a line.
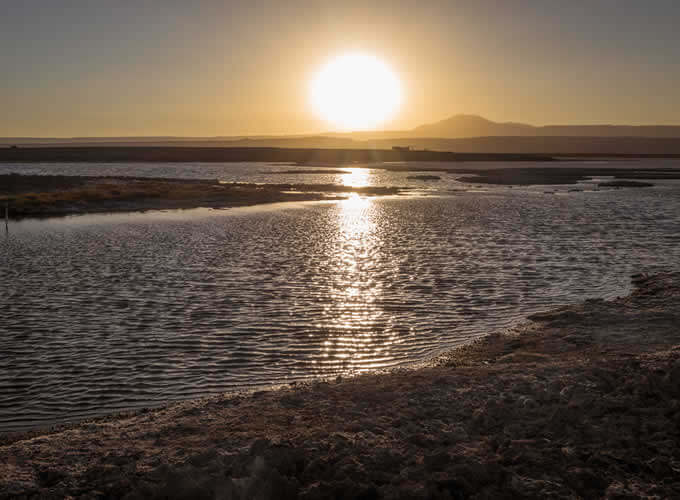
x: 461, y: 126
x: 466, y: 126
x: 460, y: 133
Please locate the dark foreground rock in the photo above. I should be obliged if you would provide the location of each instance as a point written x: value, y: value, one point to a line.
x: 581, y: 402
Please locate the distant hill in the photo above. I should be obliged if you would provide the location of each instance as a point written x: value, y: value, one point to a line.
x: 459, y: 133
x: 550, y: 145
x: 465, y: 126
x: 462, y: 126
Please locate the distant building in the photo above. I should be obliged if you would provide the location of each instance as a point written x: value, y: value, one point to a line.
x: 401, y: 148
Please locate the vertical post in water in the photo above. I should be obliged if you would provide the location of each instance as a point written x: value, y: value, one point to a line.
x: 7, y: 216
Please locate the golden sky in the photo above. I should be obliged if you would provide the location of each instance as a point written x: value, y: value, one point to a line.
x: 215, y: 68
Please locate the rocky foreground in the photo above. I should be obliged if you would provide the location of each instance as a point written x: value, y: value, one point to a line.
x: 580, y: 402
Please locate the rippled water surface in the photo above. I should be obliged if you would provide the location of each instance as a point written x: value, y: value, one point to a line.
x: 107, y: 312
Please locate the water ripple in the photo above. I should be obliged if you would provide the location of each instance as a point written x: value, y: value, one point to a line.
x: 105, y: 313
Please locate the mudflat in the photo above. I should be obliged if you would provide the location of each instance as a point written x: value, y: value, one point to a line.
x: 54, y: 195
x: 581, y: 401
x: 624, y: 177
x: 179, y: 153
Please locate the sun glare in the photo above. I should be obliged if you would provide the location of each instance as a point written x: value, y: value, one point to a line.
x: 355, y: 92
x: 356, y: 177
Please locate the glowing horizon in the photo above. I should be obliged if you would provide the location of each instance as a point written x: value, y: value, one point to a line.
x: 209, y: 69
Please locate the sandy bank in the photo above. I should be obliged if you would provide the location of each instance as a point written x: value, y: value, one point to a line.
x: 56, y: 195
x: 579, y: 402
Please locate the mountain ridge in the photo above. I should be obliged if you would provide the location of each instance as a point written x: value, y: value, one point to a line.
x: 468, y: 126
x: 460, y: 126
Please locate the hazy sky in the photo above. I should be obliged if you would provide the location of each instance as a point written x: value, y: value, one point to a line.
x: 206, y: 68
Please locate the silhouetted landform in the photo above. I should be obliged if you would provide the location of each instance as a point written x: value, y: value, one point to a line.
x: 562, y: 175
x: 460, y: 133
x: 45, y: 196
x: 466, y: 126
x: 611, y: 147
x: 551, y: 146
x: 424, y: 177
x: 459, y: 126
x: 187, y: 154
x: 579, y: 402
x: 625, y: 184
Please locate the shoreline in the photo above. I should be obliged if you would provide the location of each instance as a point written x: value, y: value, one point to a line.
x: 622, y: 177
x: 579, y: 401
x: 180, y: 154
x: 40, y: 196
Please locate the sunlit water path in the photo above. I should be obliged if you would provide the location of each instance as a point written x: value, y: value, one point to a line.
x: 109, y: 312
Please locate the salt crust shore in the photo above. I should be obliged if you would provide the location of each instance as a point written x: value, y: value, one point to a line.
x: 579, y: 402
x: 60, y: 195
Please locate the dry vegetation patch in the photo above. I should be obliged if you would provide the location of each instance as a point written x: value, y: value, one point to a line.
x: 36, y: 195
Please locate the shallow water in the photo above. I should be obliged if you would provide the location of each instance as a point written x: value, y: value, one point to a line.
x: 277, y: 173
x: 108, y: 312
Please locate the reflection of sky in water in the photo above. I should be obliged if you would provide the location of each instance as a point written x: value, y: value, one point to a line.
x: 262, y: 173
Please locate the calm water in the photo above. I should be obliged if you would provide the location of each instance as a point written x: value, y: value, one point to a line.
x: 273, y: 173
x: 107, y: 312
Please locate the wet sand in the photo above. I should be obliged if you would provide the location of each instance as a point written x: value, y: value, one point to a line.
x: 47, y: 195
x: 582, y: 401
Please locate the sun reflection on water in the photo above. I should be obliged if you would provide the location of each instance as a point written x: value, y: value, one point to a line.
x: 356, y: 177
x: 359, y: 332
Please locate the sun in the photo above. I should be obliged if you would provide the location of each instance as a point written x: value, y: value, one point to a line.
x: 355, y: 92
